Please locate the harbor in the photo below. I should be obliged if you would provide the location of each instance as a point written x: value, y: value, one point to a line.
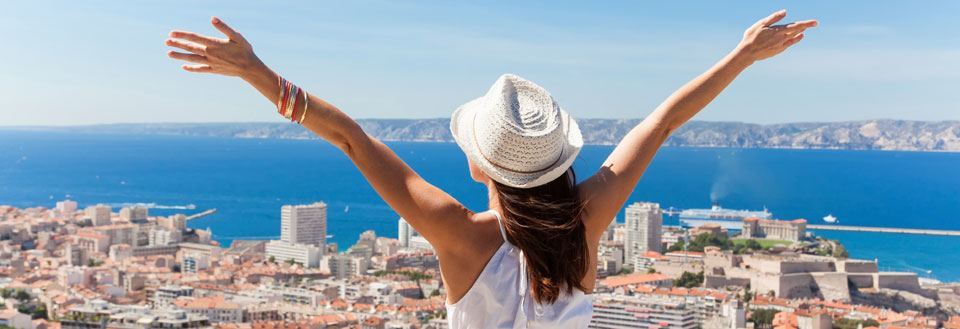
x: 883, y: 230
x: 733, y: 220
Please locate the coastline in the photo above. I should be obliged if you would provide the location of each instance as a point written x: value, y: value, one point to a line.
x: 874, y: 135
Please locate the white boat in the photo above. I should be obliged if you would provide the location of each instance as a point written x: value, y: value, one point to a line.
x: 830, y: 219
x: 730, y: 219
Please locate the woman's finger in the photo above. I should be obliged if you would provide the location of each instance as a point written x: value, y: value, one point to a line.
x: 773, y: 18
x: 799, y: 26
x: 202, y: 68
x: 793, y: 40
x: 188, y: 57
x: 188, y: 46
x: 225, y: 29
x: 193, y: 37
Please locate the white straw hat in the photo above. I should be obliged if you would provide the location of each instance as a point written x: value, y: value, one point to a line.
x: 517, y: 134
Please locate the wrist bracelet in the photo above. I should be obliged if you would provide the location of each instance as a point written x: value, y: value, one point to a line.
x: 306, y: 105
x: 289, y: 99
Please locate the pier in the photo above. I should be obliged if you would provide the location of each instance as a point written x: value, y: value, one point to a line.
x: 202, y: 214
x: 883, y: 230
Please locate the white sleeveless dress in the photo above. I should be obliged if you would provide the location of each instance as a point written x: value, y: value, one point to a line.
x: 500, y: 298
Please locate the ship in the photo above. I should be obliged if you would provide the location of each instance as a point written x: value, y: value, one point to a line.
x: 731, y: 219
x: 830, y: 219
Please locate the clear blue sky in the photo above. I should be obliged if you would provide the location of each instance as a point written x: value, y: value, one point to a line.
x: 83, y: 62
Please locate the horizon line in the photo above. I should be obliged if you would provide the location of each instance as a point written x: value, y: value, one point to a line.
x: 444, y: 118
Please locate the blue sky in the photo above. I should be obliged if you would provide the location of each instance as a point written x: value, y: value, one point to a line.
x: 85, y: 62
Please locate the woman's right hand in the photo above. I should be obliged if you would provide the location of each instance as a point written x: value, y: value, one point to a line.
x: 231, y: 57
x: 764, y: 40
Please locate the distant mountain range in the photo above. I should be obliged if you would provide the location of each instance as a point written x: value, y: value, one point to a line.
x: 849, y: 135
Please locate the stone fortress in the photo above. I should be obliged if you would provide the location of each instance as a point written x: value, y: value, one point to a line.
x: 791, y: 275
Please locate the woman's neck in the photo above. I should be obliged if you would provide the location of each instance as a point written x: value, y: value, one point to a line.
x: 493, y: 202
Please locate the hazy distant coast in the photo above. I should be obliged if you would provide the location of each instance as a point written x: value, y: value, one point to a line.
x: 850, y: 135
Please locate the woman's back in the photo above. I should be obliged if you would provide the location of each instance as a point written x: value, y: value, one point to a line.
x: 518, y: 142
x: 500, y: 297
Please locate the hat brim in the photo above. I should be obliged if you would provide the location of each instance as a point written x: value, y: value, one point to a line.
x: 461, y: 126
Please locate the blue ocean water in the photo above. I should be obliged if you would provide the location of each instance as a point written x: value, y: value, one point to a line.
x: 248, y: 180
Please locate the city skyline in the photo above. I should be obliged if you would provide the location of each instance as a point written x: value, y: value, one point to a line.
x: 102, y: 62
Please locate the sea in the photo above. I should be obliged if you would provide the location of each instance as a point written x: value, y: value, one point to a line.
x: 248, y: 180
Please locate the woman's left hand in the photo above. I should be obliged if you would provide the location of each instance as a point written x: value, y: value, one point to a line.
x: 232, y: 56
x: 764, y: 39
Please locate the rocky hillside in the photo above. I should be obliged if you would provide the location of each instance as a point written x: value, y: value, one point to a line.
x: 852, y: 135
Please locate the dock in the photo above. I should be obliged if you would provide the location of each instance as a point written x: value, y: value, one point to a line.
x: 883, y: 230
x: 202, y: 214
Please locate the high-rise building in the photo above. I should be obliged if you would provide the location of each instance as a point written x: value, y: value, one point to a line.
x: 177, y: 222
x: 409, y: 237
x: 99, y: 214
x: 135, y: 214
x: 644, y: 230
x: 67, y: 207
x: 304, y: 224
x: 404, y: 232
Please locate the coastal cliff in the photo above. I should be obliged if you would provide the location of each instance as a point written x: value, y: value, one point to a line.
x: 849, y: 135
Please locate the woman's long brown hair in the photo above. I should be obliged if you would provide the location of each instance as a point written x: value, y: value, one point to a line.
x: 545, y: 223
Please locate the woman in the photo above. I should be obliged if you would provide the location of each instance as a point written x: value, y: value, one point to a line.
x: 530, y: 260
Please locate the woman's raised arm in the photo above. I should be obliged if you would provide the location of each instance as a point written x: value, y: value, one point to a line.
x: 432, y: 212
x: 610, y: 187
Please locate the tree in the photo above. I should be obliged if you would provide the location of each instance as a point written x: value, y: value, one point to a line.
x: 689, y: 280
x: 25, y: 308
x: 840, y: 251
x: 272, y: 259
x: 702, y: 241
x: 763, y: 317
x: 22, y: 296
x: 651, y: 270
x: 40, y: 312
x: 435, y: 292
x: 845, y: 323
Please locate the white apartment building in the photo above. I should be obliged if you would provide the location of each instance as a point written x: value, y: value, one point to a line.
x: 305, y: 254
x: 410, y: 238
x: 161, y: 237
x: 13, y: 319
x: 610, y: 257
x: 626, y: 312
x: 643, y: 230
x: 135, y: 214
x: 176, y: 222
x: 192, y: 261
x: 165, y: 295
x: 67, y: 207
x: 120, y: 233
x: 99, y: 214
x: 404, y: 232
x: 304, y: 224
x: 347, y: 266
